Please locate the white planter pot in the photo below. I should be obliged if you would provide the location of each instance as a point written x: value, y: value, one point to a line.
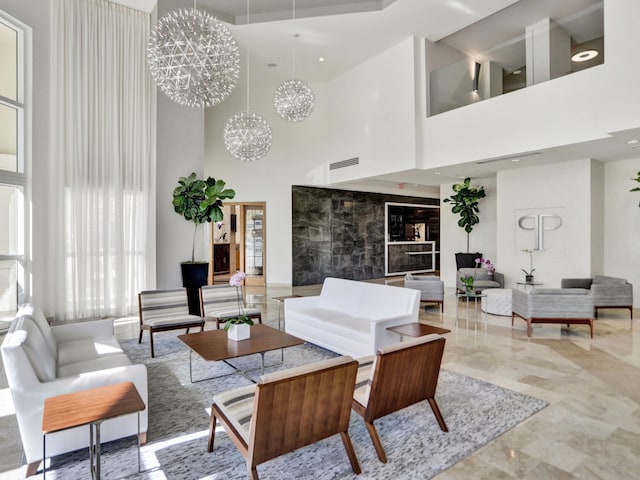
x: 239, y: 332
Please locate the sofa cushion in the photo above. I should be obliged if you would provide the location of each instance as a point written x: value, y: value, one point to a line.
x: 83, y: 349
x: 26, y: 334
x: 559, y: 291
x: 237, y: 406
x: 41, y: 322
x: 478, y: 273
x: 339, y: 323
x: 88, y: 366
x: 160, y: 320
x: 427, y: 278
x: 610, y: 280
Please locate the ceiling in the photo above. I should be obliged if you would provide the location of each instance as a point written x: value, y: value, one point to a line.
x: 349, y: 32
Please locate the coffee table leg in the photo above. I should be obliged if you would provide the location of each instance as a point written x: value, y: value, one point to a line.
x: 139, y: 469
x: 44, y: 455
x: 98, y: 451
x: 262, y: 363
x: 91, y: 451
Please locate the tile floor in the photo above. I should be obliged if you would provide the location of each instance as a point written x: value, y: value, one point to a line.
x: 590, y: 430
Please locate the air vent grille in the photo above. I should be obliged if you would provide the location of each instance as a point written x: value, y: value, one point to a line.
x: 344, y: 163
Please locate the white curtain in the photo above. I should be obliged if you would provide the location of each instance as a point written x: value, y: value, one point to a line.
x: 103, y: 158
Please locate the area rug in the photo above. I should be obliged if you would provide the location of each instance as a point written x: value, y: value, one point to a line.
x: 476, y: 412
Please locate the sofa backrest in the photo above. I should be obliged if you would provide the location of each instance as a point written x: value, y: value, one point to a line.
x: 559, y: 291
x: 24, y: 338
x: 162, y: 303
x: 35, y: 314
x: 363, y: 299
x: 600, y: 279
x: 480, y: 273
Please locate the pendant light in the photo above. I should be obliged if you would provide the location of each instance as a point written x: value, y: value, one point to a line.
x: 247, y: 136
x: 294, y: 100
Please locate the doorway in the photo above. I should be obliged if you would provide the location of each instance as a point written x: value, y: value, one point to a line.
x: 239, y: 244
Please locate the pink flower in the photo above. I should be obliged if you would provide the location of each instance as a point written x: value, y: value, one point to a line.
x: 237, y: 279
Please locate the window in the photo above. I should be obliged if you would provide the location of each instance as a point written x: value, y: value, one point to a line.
x: 12, y: 171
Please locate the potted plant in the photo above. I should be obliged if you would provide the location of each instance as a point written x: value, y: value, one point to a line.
x: 528, y: 275
x: 238, y: 327
x: 470, y: 279
x: 198, y: 201
x: 465, y: 203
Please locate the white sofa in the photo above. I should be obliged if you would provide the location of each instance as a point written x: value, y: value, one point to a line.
x: 42, y: 361
x: 350, y: 317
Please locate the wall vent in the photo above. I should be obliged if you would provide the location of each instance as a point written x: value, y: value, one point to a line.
x: 344, y: 163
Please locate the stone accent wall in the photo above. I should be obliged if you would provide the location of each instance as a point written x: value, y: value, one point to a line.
x: 339, y: 233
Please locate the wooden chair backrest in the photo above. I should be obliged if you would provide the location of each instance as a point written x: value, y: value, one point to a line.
x: 404, y: 377
x: 214, y: 298
x: 162, y: 303
x: 293, y: 412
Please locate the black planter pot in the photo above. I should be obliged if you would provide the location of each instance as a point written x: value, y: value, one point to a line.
x: 194, y: 275
x: 466, y: 260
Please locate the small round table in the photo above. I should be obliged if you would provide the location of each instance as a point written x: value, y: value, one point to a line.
x: 524, y: 285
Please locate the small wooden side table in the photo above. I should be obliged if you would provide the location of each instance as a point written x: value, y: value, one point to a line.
x: 280, y: 301
x: 90, y: 407
x: 417, y: 329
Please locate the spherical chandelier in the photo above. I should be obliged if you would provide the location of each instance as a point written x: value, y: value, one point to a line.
x: 193, y: 58
x: 294, y: 100
x: 247, y: 136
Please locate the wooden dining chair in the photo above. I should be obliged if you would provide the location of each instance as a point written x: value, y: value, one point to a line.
x: 401, y: 374
x: 288, y: 410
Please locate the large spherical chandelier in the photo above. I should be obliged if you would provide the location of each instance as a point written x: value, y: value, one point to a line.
x: 294, y: 100
x: 247, y: 136
x: 193, y: 58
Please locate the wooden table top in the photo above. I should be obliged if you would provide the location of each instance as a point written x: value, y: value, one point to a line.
x: 86, y: 406
x: 214, y: 345
x: 417, y: 329
x: 283, y: 298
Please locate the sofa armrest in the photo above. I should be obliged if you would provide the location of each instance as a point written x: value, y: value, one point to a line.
x: 605, y: 294
x: 75, y: 331
x: 499, y: 277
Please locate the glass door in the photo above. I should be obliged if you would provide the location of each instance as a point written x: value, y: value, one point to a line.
x: 254, y: 243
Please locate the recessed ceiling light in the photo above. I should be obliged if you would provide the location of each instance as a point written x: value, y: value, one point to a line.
x: 436, y: 173
x: 515, y: 159
x: 516, y: 72
x: 632, y: 142
x: 584, y: 55
x: 321, y: 59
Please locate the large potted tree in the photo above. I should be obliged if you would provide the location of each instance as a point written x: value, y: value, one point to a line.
x: 198, y: 201
x: 465, y: 203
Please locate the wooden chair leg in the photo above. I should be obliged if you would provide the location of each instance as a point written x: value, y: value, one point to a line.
x: 253, y: 471
x: 32, y: 468
x: 528, y: 328
x: 373, y: 433
x: 348, y: 446
x: 153, y: 354
x: 212, y: 431
x: 436, y: 412
x: 188, y: 328
x: 591, y: 327
x: 140, y: 337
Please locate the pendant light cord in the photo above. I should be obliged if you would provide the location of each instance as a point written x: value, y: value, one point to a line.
x: 293, y: 48
x: 248, y: 63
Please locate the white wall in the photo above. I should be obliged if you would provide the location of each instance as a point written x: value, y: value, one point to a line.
x: 563, y: 189
x: 372, y: 115
x: 482, y: 239
x: 622, y: 223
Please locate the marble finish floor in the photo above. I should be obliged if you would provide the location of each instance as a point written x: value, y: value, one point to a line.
x: 590, y: 430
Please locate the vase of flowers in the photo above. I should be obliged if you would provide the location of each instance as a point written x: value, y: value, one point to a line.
x: 238, y: 328
x: 470, y: 279
x: 528, y: 275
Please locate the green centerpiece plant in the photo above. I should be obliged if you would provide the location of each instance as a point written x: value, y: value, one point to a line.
x: 636, y: 189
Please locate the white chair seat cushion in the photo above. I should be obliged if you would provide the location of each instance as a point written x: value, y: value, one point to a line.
x: 88, y: 366
x: 363, y: 379
x: 497, y: 301
x: 87, y: 349
x: 237, y: 407
x: 172, y: 320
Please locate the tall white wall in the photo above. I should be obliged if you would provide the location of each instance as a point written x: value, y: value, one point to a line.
x: 482, y: 239
x: 563, y: 189
x: 622, y: 223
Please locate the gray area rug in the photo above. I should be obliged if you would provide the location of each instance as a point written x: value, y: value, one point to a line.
x: 476, y: 412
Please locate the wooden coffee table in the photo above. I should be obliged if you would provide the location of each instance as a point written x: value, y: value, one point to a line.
x: 214, y: 345
x: 90, y: 407
x: 417, y: 329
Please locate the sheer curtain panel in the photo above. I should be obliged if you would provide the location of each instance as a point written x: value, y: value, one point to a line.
x: 103, y: 156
